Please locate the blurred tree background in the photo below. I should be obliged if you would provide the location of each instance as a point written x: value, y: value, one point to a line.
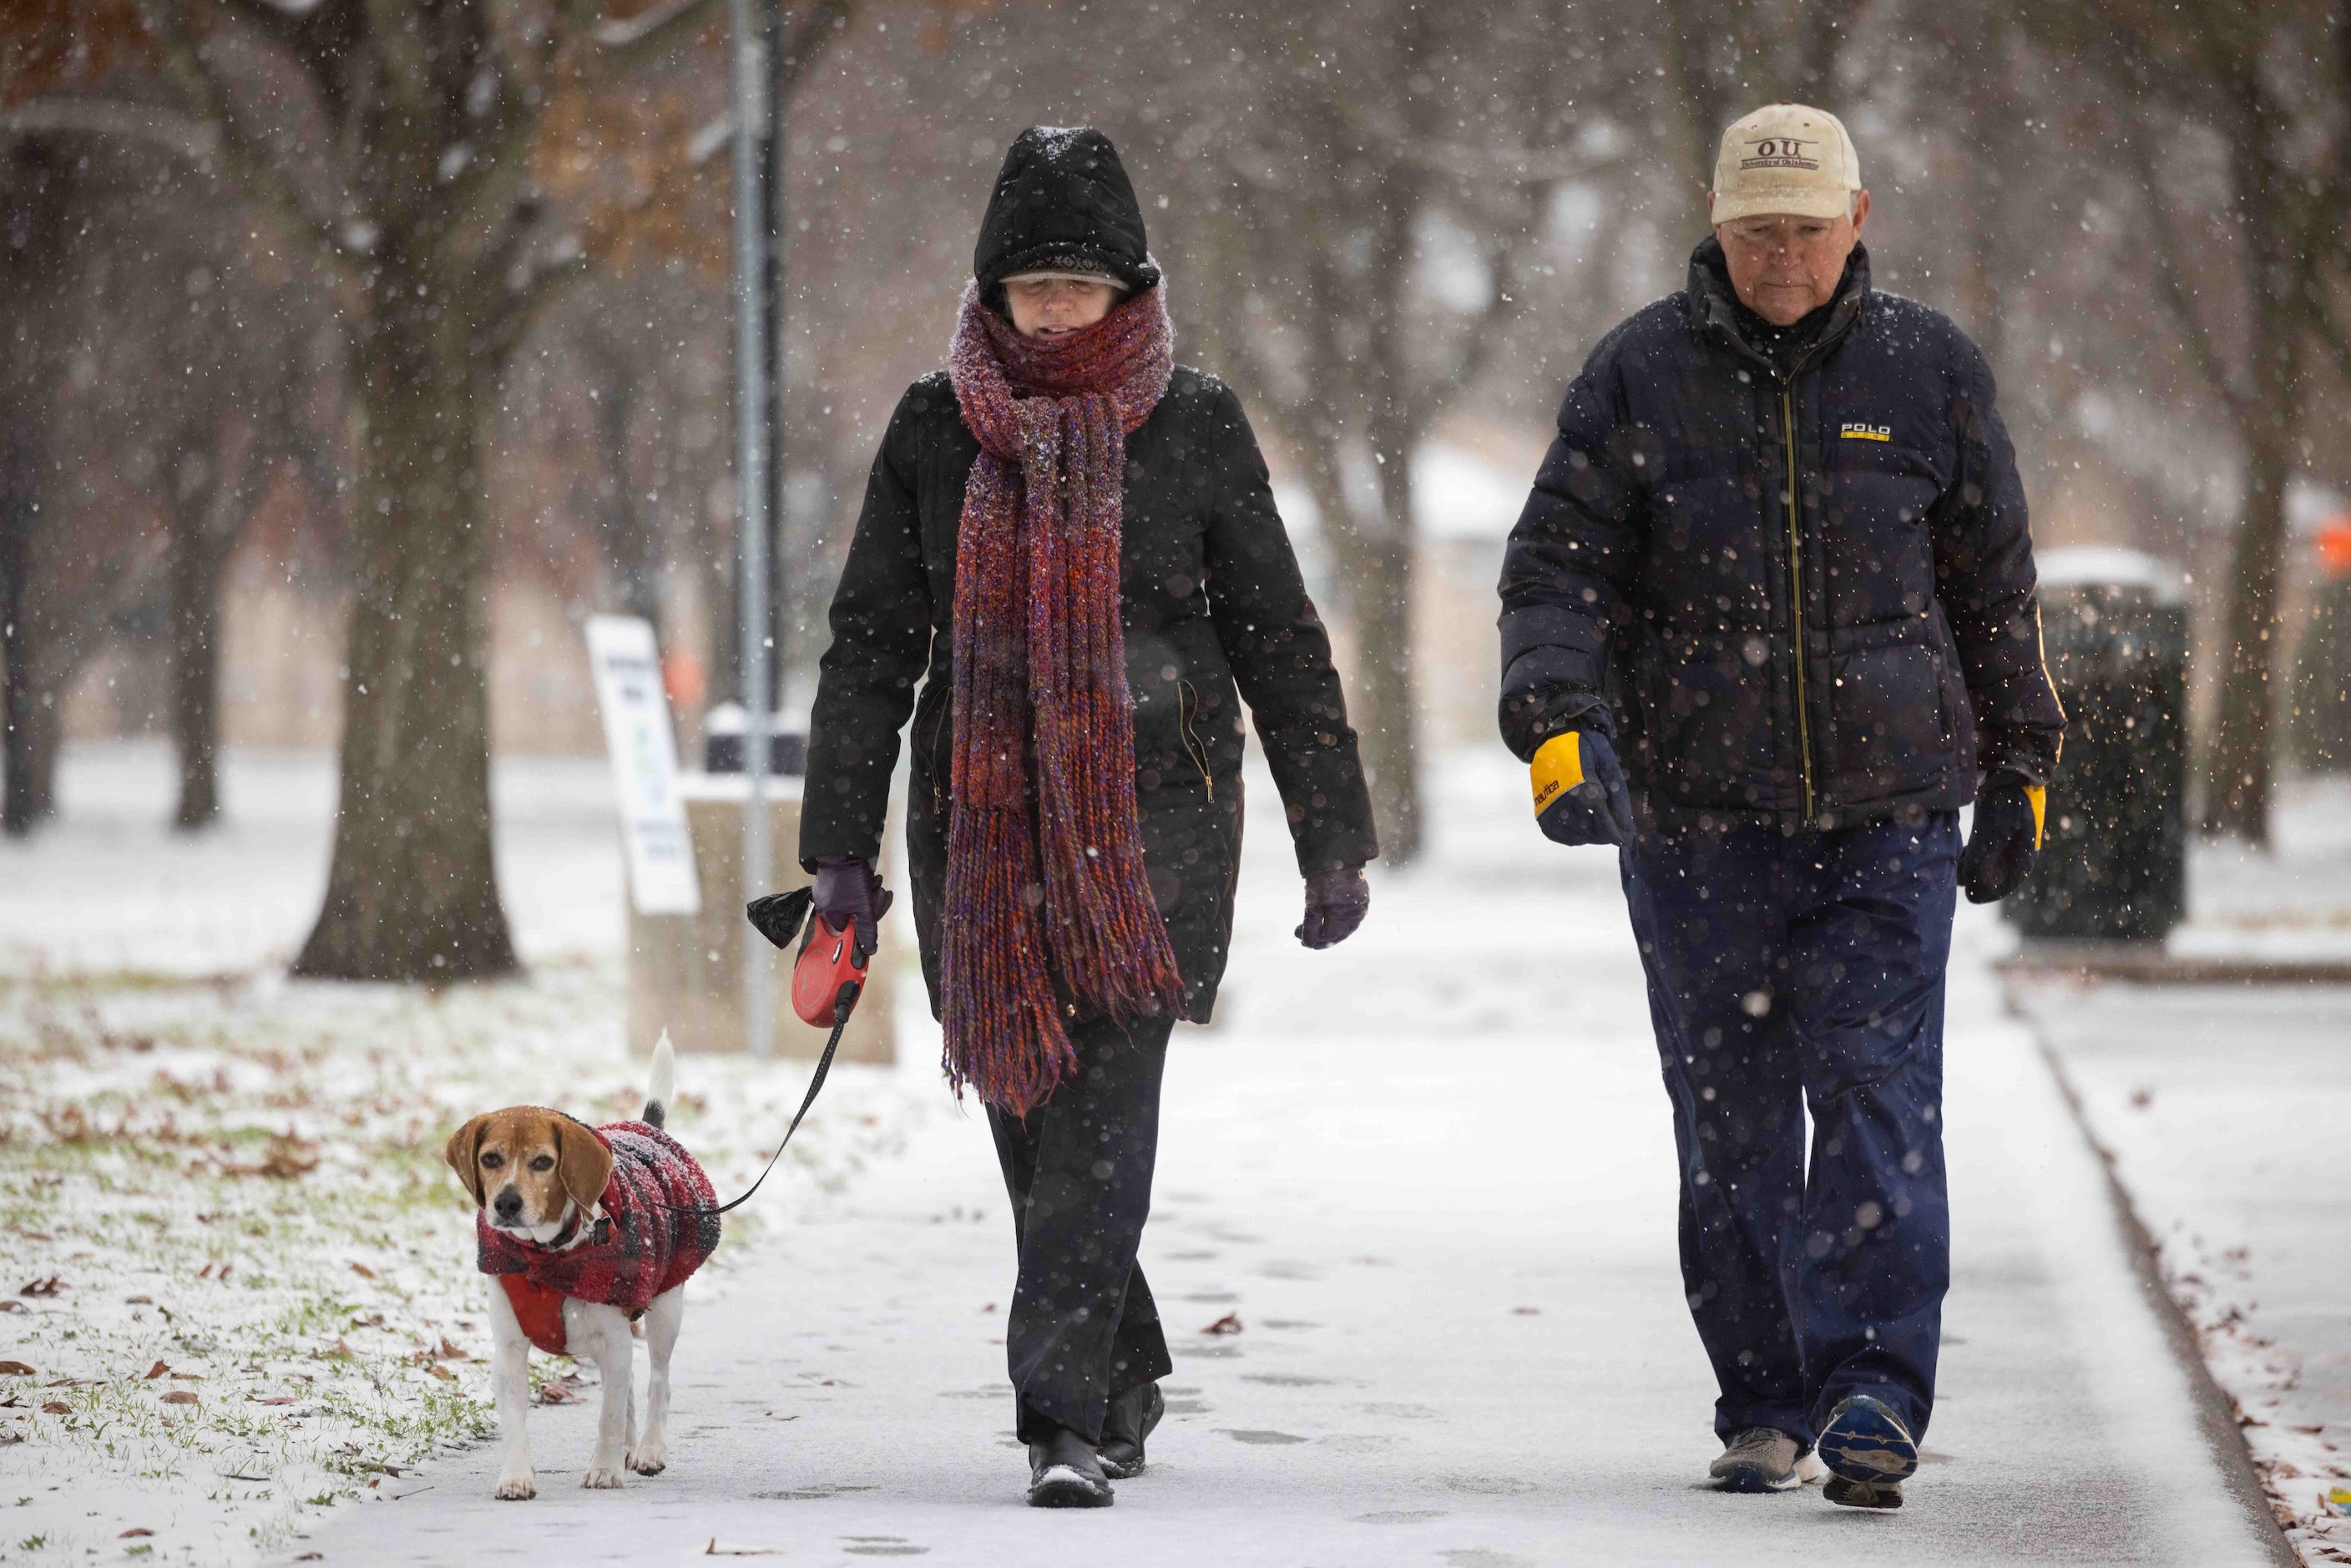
x: 357, y: 351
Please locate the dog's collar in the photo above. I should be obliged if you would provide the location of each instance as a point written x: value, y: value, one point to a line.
x: 572, y: 1234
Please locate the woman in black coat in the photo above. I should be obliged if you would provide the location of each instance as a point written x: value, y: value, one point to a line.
x: 1072, y: 544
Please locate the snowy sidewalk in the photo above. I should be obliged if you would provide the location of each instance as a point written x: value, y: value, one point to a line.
x: 1439, y: 1201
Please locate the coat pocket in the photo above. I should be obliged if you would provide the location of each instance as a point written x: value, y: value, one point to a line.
x: 1710, y: 719
x: 1893, y: 724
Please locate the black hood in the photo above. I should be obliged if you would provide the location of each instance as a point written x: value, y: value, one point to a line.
x: 1063, y: 201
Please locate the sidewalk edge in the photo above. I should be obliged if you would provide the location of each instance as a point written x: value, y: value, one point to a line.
x: 2215, y: 1413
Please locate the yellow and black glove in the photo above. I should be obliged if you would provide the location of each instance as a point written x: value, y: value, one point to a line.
x: 2006, y: 839
x: 1580, y: 794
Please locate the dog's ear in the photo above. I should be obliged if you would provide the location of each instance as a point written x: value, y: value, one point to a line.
x: 582, y: 1163
x: 464, y: 1155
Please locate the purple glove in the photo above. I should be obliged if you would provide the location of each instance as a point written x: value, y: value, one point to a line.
x: 847, y: 890
x: 1337, y: 902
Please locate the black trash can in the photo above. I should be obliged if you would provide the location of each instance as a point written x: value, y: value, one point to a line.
x: 723, y: 751
x: 2113, y: 859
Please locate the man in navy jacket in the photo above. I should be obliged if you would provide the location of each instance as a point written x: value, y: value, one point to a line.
x: 1768, y: 621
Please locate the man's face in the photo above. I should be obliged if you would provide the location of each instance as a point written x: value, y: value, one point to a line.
x: 1050, y: 306
x: 1783, y: 267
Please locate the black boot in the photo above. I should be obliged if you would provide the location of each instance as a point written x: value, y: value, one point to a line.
x: 1065, y: 1472
x: 1129, y: 1421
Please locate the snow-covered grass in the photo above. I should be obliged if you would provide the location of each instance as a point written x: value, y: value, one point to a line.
x: 230, y: 1255
x: 2222, y: 1111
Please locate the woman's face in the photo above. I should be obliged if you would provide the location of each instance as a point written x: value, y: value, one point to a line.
x: 1048, y: 306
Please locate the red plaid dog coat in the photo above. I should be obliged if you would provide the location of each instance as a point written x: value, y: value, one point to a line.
x: 661, y: 1221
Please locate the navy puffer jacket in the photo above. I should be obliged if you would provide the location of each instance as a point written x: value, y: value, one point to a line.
x: 1804, y: 600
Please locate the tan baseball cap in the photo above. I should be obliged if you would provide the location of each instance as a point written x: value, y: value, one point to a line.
x: 1785, y: 158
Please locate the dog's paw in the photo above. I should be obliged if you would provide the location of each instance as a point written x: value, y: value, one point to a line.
x: 649, y: 1457
x: 517, y: 1487
x: 601, y: 1478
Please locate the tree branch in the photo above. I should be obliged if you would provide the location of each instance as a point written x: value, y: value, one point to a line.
x: 625, y: 43
x: 2332, y: 337
x: 534, y: 288
x: 2209, y: 361
x: 192, y: 141
x: 807, y: 42
x: 245, y: 160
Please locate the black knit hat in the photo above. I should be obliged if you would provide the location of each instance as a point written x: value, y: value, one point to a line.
x: 1061, y: 204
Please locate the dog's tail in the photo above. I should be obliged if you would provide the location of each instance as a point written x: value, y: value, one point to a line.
x: 662, y: 1088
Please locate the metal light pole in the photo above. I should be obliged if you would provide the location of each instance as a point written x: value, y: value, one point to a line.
x: 756, y: 273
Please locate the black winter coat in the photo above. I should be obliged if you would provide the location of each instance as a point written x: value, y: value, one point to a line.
x: 1213, y: 610
x: 1802, y: 600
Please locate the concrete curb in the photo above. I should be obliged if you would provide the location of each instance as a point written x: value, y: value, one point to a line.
x: 2216, y: 1413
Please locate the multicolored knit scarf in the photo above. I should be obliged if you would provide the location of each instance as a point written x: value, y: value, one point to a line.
x: 1048, y: 913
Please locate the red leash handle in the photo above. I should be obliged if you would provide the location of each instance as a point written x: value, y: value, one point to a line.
x: 827, y: 979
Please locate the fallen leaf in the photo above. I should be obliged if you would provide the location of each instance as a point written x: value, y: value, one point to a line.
x: 1230, y: 1323
x: 179, y: 1397
x: 311, y: 1557
x: 49, y: 1287
x: 556, y: 1393
x: 159, y: 1369
x: 1526, y: 1312
x: 715, y: 1550
x: 188, y: 1376
x: 138, y: 1300
x: 54, y: 1408
x: 340, y: 1353
x: 280, y: 1399
x: 451, y: 1352
x: 11, y: 1306
x: 437, y: 1370
x: 363, y: 1272
x: 15, y: 1369
x: 133, y: 1531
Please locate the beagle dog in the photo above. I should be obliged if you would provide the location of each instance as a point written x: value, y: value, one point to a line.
x: 584, y: 1230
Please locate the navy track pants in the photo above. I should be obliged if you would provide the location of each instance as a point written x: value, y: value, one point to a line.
x: 1787, y: 971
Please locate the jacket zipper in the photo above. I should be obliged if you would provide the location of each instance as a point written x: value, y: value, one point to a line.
x: 1796, y: 599
x: 939, y: 780
x: 1184, y: 723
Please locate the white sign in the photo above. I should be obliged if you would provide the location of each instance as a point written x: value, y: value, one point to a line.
x: 627, y: 663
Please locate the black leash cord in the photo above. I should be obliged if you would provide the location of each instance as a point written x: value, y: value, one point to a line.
x: 823, y: 1065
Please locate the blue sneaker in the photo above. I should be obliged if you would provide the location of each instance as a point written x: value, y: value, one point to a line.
x: 1869, y: 1453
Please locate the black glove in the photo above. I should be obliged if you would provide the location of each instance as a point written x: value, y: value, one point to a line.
x: 1337, y: 902
x: 2006, y: 841
x: 847, y: 890
x: 1580, y: 794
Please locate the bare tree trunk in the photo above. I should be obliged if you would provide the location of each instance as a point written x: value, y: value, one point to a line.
x: 25, y: 795
x: 196, y: 567
x: 2281, y: 257
x: 413, y: 893
x: 2236, y: 793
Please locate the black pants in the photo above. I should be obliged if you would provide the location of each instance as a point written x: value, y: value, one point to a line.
x: 1083, y: 1327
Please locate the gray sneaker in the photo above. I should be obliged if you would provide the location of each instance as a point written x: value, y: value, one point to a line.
x: 1761, y: 1459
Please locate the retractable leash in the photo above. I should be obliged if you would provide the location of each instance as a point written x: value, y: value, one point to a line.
x: 827, y: 980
